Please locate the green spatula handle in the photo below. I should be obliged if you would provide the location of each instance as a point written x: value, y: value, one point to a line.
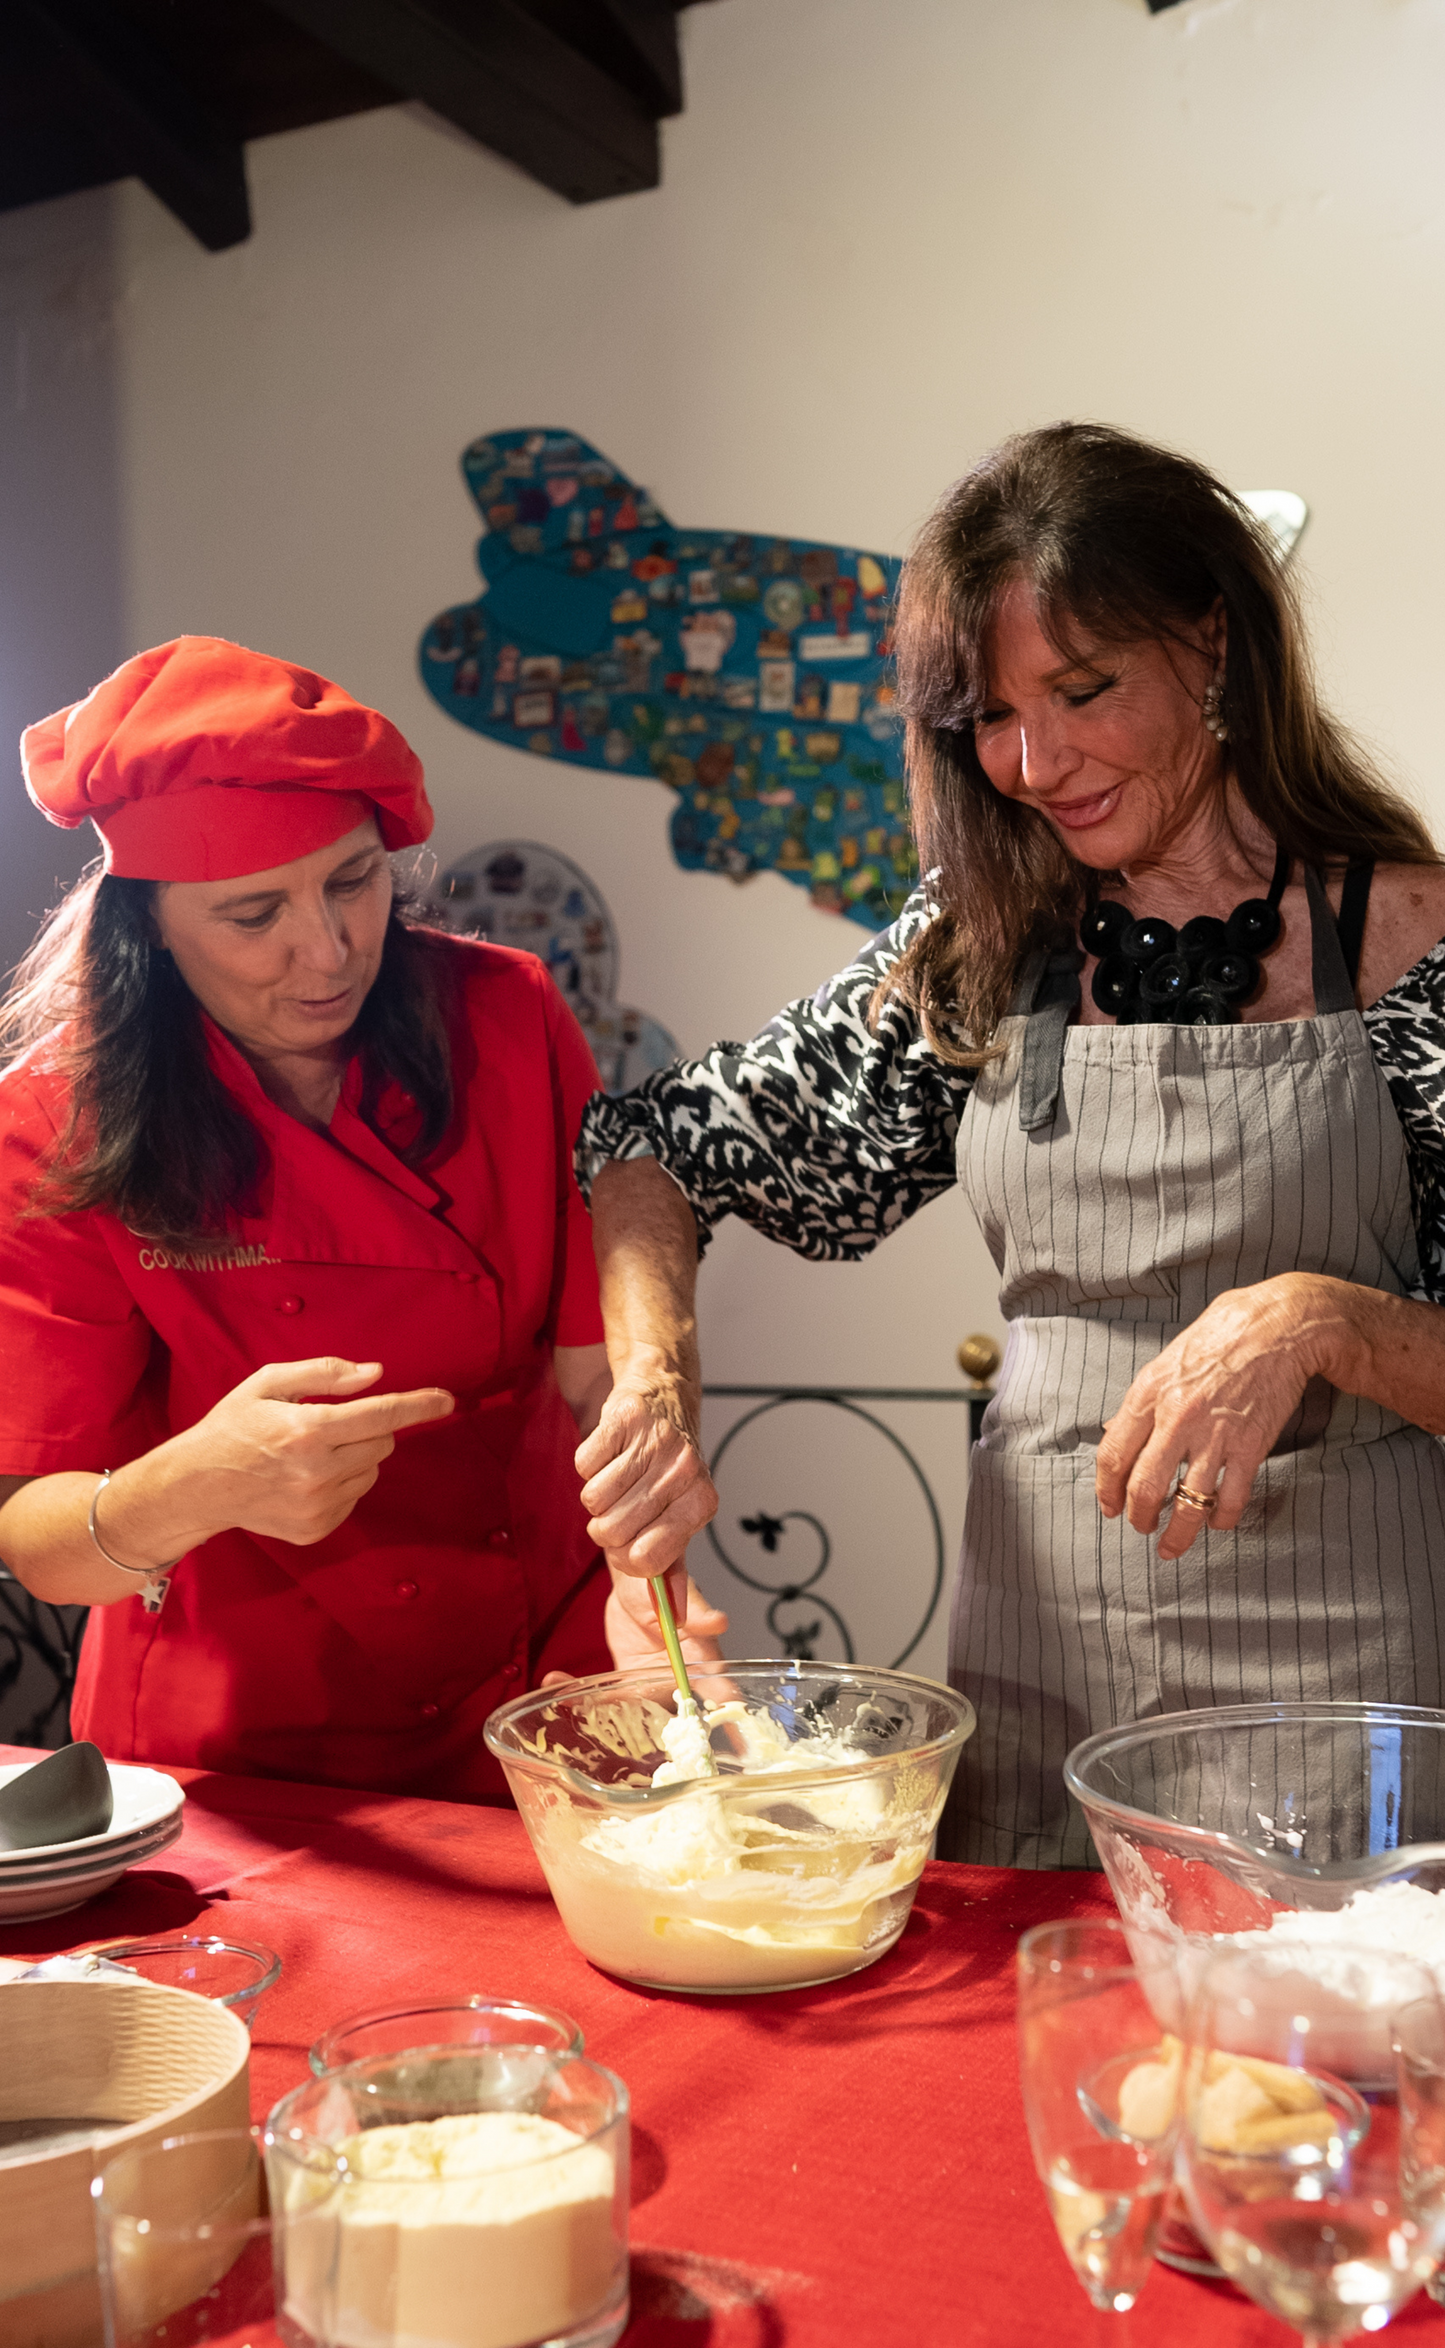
x: 667, y: 1622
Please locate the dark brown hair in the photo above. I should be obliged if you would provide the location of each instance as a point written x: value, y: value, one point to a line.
x: 153, y: 1135
x: 1123, y: 541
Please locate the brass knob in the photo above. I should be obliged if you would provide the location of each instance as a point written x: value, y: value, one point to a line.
x: 978, y: 1358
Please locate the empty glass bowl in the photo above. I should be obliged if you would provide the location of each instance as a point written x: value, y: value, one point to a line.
x: 797, y: 1863
x: 454, y: 2021
x: 226, y: 1970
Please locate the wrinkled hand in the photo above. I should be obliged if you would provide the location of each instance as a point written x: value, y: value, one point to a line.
x: 1216, y: 1399
x: 647, y: 1489
x: 290, y: 1470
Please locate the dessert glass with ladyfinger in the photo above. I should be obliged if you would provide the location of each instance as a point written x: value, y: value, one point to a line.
x: 1326, y: 2206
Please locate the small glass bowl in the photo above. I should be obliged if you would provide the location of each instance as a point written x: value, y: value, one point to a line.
x: 226, y: 1970
x: 452, y: 2021
x: 188, y: 2253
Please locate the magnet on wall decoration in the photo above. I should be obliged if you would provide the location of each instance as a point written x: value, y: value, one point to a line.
x: 519, y: 893
x: 748, y: 674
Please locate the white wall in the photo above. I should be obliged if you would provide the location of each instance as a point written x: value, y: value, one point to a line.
x: 62, y: 623
x: 889, y: 232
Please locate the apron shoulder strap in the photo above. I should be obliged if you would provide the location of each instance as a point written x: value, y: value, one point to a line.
x: 1354, y: 904
x: 1026, y: 982
x: 1335, y: 946
x: 1050, y: 1004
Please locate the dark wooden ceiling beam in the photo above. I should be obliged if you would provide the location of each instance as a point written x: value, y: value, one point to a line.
x: 135, y: 106
x: 507, y: 79
x: 652, y: 31
x: 633, y: 41
x: 649, y: 27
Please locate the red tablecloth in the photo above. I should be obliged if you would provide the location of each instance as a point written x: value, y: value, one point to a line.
x: 813, y: 2169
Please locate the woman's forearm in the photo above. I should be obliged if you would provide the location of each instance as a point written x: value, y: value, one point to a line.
x: 1387, y: 1349
x: 647, y: 1488
x: 146, y: 1516
x: 645, y: 1235
x: 279, y: 1456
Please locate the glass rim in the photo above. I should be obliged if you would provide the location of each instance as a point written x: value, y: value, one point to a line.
x: 1037, y: 1934
x: 463, y: 2002
x: 503, y: 1742
x: 1290, y: 1712
x: 208, y: 1944
x: 308, y: 2152
x: 1355, y: 2128
x: 281, y: 2131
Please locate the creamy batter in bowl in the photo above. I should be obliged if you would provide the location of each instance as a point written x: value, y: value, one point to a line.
x: 796, y: 1863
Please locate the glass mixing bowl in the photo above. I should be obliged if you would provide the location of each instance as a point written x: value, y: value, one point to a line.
x: 1234, y: 1820
x: 797, y: 1863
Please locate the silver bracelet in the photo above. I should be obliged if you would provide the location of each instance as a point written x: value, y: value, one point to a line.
x: 147, y: 1573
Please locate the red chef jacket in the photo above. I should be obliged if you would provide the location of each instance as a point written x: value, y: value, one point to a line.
x: 373, y: 1657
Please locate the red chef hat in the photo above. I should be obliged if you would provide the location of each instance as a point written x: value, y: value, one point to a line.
x: 202, y: 761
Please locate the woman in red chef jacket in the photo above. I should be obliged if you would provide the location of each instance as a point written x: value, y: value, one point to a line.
x: 298, y: 1314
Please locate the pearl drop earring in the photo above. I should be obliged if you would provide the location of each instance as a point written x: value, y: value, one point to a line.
x: 1212, y: 710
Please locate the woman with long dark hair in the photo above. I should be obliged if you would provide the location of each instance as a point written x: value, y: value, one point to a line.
x: 298, y: 1312
x: 1170, y: 1006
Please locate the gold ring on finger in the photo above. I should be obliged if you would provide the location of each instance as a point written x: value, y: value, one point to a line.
x: 1205, y: 1501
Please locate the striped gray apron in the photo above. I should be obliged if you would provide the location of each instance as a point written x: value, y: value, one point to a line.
x: 1124, y: 1177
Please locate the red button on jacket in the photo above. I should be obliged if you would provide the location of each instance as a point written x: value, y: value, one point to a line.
x: 294, y: 1661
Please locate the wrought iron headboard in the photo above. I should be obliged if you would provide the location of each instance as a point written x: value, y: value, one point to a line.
x: 978, y: 1358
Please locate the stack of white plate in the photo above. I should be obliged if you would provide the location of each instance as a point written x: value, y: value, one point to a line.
x: 51, y: 1877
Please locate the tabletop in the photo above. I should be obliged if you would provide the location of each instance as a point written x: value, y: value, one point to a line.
x: 812, y: 2168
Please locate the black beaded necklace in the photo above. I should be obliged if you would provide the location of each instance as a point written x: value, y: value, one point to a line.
x: 1193, y: 977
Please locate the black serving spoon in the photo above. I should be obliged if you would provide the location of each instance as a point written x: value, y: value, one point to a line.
x: 64, y: 1797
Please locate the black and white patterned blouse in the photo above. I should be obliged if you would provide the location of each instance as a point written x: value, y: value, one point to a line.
x: 827, y: 1135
